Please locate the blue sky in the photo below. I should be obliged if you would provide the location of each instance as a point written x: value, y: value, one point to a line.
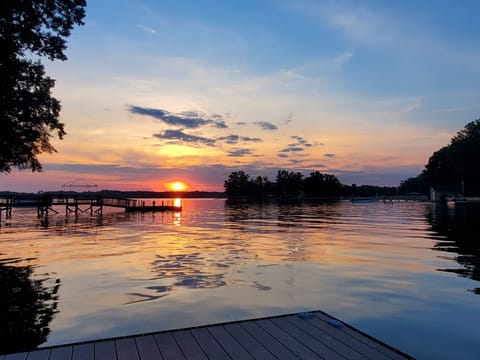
x: 157, y: 91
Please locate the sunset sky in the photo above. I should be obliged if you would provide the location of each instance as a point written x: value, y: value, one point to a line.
x: 160, y: 91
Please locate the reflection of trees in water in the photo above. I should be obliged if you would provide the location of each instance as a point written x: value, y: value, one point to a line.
x: 236, y: 213
x: 284, y: 214
x: 460, y: 226
x: 289, y: 218
x: 27, y: 306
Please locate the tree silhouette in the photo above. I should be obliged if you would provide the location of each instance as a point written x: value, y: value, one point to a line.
x: 238, y: 184
x: 29, y: 115
x: 464, y: 152
x: 453, y: 164
x: 27, y: 306
x: 288, y: 184
x: 321, y: 185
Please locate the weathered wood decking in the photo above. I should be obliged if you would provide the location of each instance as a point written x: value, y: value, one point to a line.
x: 281, y: 337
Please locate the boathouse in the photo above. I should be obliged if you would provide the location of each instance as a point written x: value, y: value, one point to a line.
x: 439, y: 193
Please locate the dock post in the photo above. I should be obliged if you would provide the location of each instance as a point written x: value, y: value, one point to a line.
x: 8, y: 208
x: 154, y: 206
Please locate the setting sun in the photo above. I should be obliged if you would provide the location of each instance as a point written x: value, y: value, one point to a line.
x: 177, y: 186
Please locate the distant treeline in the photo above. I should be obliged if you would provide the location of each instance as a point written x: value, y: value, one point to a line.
x: 131, y: 194
x: 291, y: 185
x: 163, y: 194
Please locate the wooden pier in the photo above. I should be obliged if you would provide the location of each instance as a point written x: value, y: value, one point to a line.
x: 311, y: 335
x: 46, y: 203
x: 390, y: 198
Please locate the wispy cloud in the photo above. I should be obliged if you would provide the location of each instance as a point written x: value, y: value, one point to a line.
x: 265, y: 125
x: 292, y: 149
x: 319, y: 69
x: 455, y: 109
x: 289, y: 119
x: 300, y: 141
x: 342, y: 59
x: 147, y: 29
x: 188, y: 119
x: 239, y: 152
x: 329, y: 155
x: 361, y: 25
x: 298, y: 146
x: 181, y: 138
x: 234, y: 139
x: 409, y: 108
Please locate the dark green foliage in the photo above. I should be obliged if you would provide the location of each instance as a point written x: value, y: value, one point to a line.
x: 464, y: 157
x: 439, y: 167
x: 29, y: 115
x: 454, y: 164
x: 27, y: 306
x: 238, y: 184
x: 321, y: 185
x: 288, y: 184
x: 419, y: 184
x: 263, y: 187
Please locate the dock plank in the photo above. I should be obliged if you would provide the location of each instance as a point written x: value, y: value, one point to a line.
x: 272, y: 344
x: 188, y: 344
x: 168, y: 346
x: 228, y: 342
x: 42, y: 354
x: 326, y: 338
x: 126, y: 349
x: 356, y: 339
x: 17, y: 356
x: 147, y: 347
x: 248, y: 342
x: 61, y: 353
x: 209, y: 344
x: 84, y: 352
x: 105, y: 350
x: 288, y: 341
x: 314, y: 343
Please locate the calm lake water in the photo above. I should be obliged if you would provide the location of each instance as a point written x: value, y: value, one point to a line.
x: 406, y: 273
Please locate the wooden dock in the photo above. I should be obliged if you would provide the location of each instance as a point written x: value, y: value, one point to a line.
x: 46, y: 203
x: 311, y: 335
